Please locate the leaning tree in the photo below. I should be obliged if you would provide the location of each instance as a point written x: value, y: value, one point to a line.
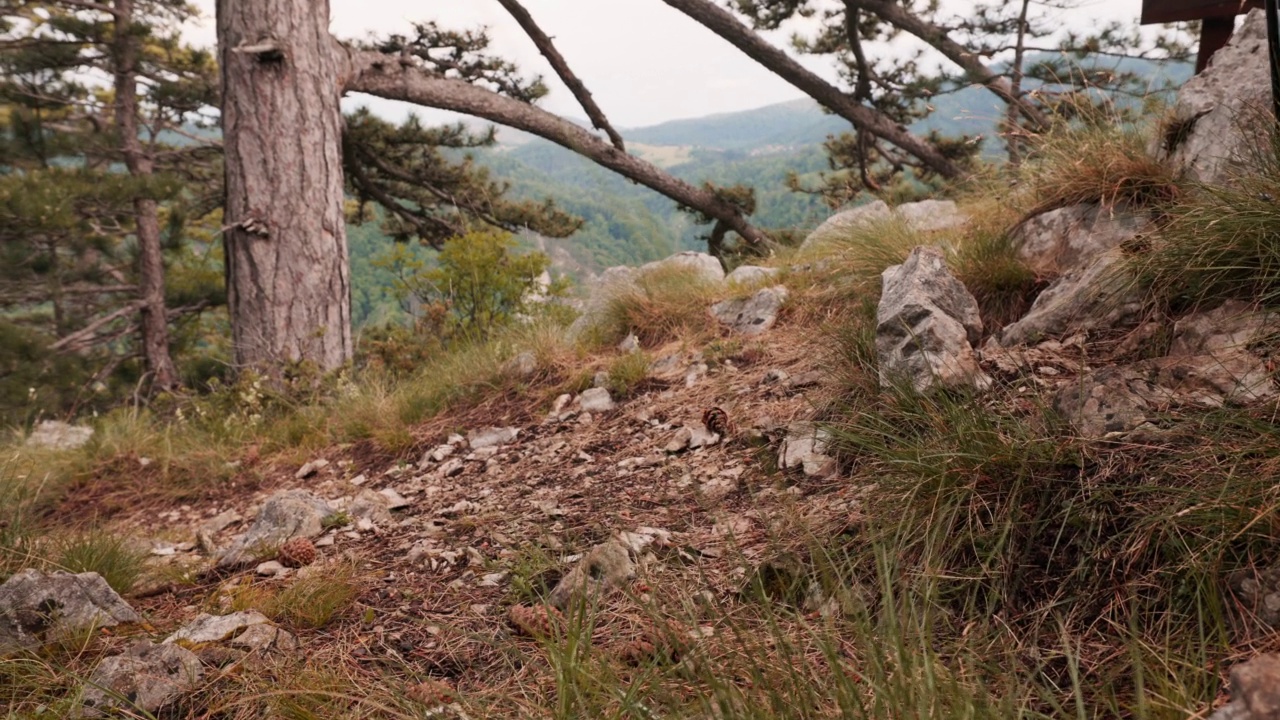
x: 283, y: 75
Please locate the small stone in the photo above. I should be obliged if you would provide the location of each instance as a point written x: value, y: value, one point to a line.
x: 270, y: 568
x: 395, y: 500
x: 775, y: 376
x: 491, y: 437
x: 58, y: 435
x: 521, y: 366
x: 561, y: 402
x: 605, y: 566
x: 311, y: 468
x: 596, y: 400
x: 451, y: 468
x: 629, y: 344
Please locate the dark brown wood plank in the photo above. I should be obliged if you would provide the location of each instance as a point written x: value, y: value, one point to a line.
x: 1165, y: 11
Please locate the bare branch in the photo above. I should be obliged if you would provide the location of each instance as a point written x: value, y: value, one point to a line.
x: 558, y: 63
x: 937, y: 37
x: 724, y: 24
x: 84, y: 337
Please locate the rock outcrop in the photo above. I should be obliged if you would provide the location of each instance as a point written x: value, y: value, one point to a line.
x: 1099, y: 294
x: 147, y: 677
x: 1056, y: 241
x: 1255, y: 691
x: 36, y: 607
x: 754, y: 314
x: 926, y: 326
x: 1213, y: 130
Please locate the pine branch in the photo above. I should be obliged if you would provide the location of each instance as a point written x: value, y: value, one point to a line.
x: 558, y: 63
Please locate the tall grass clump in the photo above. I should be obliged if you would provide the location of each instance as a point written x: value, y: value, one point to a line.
x: 1106, y: 164
x: 1222, y: 241
x: 119, y: 562
x: 1096, y: 572
x: 665, y: 303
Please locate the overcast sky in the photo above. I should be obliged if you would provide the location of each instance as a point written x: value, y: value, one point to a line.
x: 644, y: 62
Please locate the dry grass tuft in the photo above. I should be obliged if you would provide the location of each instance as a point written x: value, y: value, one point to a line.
x: 1110, y: 166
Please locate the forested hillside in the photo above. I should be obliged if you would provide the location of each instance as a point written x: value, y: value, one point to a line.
x: 630, y: 224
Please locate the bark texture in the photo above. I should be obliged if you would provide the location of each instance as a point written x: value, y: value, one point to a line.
x: 728, y: 27
x: 288, y: 282
x: 155, y: 324
x: 384, y: 76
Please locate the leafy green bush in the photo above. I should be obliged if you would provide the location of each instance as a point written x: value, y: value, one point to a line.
x: 478, y: 283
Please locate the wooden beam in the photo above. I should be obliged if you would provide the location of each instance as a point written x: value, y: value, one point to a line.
x: 1214, y: 33
x: 1167, y: 11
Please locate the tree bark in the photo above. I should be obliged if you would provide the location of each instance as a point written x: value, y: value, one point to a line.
x: 724, y: 24
x: 384, y: 76
x: 155, y: 326
x: 288, y: 280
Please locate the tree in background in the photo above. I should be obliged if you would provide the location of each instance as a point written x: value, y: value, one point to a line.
x: 429, y: 197
x: 885, y: 90
x: 86, y: 166
x: 478, y: 283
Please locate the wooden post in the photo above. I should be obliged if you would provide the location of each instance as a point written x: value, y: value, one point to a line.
x: 1273, y: 44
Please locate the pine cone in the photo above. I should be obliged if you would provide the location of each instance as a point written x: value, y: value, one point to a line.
x: 535, y: 621
x: 432, y: 693
x: 637, y: 652
x: 296, y: 552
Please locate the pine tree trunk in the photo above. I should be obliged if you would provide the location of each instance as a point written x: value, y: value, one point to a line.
x: 155, y: 323
x: 288, y: 282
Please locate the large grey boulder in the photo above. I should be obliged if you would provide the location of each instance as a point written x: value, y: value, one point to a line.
x: 620, y: 281
x: 286, y: 514
x: 1056, y: 241
x: 36, y: 606
x: 930, y: 215
x: 751, y: 275
x: 701, y: 266
x: 492, y: 437
x: 845, y: 222
x: 1220, y: 119
x: 1255, y: 691
x: 1098, y: 295
x: 58, y: 435
x: 926, y: 326
x: 751, y: 315
x: 146, y: 677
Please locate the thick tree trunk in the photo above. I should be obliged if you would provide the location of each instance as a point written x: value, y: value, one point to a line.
x: 384, y: 76
x: 288, y: 282
x: 865, y: 119
x: 155, y: 325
